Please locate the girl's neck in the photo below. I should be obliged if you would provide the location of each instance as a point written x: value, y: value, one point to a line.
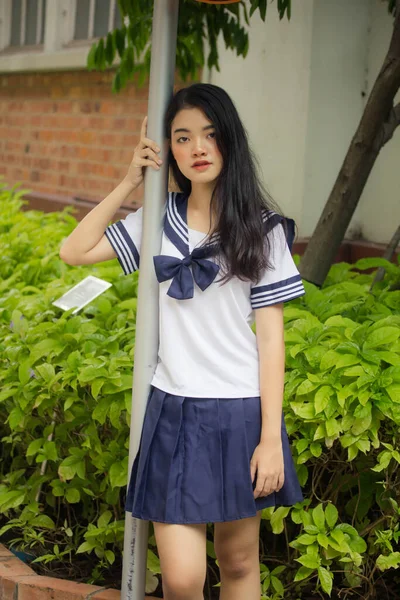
x: 198, y: 206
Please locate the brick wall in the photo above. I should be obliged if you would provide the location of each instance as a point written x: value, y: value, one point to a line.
x: 67, y: 134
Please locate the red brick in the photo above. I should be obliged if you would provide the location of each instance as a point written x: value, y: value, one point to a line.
x: 56, y: 121
x: 63, y: 107
x: 5, y: 553
x: 40, y: 106
x: 11, y: 566
x: 89, y: 106
x: 49, y: 588
x: 8, y: 588
x: 108, y: 595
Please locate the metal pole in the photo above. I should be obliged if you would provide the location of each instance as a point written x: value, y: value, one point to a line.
x: 165, y: 25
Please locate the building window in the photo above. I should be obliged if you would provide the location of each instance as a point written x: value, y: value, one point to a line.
x: 27, y: 23
x: 95, y: 18
x: 43, y: 34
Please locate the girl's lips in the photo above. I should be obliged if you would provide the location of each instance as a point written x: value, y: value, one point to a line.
x: 202, y: 167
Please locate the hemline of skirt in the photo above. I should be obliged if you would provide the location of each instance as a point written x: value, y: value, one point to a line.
x: 202, y: 521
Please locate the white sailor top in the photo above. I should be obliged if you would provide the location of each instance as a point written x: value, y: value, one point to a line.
x: 207, y: 348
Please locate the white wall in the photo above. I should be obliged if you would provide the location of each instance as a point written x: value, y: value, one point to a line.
x: 379, y: 208
x: 338, y: 78
x: 270, y: 89
x: 301, y: 92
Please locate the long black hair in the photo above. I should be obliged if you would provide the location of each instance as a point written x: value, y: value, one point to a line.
x: 238, y: 198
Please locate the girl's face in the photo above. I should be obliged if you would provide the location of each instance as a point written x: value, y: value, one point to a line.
x: 194, y: 146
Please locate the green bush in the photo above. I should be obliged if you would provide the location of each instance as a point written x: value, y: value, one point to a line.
x: 65, y: 393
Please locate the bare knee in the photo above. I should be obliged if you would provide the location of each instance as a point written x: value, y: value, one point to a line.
x: 182, y: 586
x: 237, y: 565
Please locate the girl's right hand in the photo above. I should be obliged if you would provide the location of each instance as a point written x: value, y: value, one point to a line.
x: 145, y: 155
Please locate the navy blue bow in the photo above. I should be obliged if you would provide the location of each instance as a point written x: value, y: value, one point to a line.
x: 182, y: 287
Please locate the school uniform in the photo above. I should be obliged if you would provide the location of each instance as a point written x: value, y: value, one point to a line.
x: 203, y: 415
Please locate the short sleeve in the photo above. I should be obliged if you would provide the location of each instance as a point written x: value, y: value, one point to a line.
x: 125, y: 237
x: 281, y: 283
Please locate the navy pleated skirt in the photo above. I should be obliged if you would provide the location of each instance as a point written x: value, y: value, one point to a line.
x: 193, y: 463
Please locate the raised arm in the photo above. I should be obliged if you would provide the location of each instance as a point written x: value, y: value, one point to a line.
x: 87, y: 244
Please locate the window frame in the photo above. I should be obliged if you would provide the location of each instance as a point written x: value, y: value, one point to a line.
x: 59, y: 51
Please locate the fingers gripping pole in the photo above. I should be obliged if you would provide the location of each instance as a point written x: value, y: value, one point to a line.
x: 165, y: 24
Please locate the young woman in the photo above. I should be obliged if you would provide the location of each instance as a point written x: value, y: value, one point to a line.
x: 214, y: 445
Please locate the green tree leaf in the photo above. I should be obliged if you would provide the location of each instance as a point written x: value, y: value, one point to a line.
x: 319, y: 517
x: 331, y: 515
x: 325, y: 578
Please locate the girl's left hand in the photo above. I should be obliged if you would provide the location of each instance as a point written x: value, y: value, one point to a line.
x: 267, y: 461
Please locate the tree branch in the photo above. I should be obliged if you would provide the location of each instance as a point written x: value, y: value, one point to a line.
x: 388, y: 128
x: 388, y: 255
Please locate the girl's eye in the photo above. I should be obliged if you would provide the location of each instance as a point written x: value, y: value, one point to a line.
x: 212, y: 134
x: 179, y: 140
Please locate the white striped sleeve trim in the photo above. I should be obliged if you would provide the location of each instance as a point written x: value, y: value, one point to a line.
x: 274, y: 293
x: 125, y: 249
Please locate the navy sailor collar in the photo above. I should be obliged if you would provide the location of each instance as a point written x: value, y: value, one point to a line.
x: 175, y: 224
x: 177, y: 231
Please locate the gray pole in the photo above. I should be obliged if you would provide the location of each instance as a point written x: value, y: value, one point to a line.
x: 165, y: 25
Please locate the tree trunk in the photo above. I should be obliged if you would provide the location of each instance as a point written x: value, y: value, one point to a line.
x: 376, y: 127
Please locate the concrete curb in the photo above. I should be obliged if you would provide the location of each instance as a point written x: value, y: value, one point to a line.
x: 20, y: 582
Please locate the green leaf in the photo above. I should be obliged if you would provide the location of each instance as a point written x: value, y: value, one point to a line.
x: 11, y: 499
x: 352, y: 452
x: 303, y: 573
x: 322, y: 540
x: 313, y: 529
x: 322, y: 398
x: 339, y: 537
x: 104, y: 519
x: 371, y: 263
x: 361, y: 425
x: 34, y: 447
x: 325, y: 578
x: 331, y: 515
x: 277, y: 518
x: 306, y: 539
x: 306, y: 387
x: 91, y: 57
x: 394, y: 392
x: 387, y: 562
x: 309, y: 561
x: 301, y: 445
x: 119, y: 473
x: 262, y: 6
x: 101, y: 410
x: 5, y: 394
x: 110, y: 556
x: 15, y: 418
x: 382, y: 336
x: 277, y: 585
x: 319, y: 517
x: 345, y: 360
x: 86, y: 547
x: 329, y: 360
x: 50, y: 450
x: 332, y: 427
x: 316, y: 449
x: 72, y: 496
x: 119, y: 37
x: 110, y: 48
x: 43, y: 521
x: 24, y: 371
x: 46, y: 371
x: 153, y: 562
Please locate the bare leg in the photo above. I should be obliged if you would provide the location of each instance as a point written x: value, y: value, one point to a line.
x: 237, y: 550
x: 182, y: 551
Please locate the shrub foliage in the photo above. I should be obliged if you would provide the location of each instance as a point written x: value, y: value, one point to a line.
x: 65, y: 394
